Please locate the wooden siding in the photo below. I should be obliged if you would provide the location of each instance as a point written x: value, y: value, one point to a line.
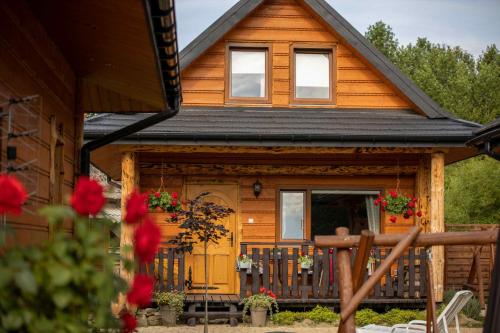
x: 31, y: 64
x: 263, y: 209
x: 283, y: 23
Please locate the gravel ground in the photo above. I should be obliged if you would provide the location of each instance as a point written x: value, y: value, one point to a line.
x: 269, y: 329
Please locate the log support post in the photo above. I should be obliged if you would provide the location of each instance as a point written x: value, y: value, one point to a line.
x: 437, y: 221
x: 345, y: 283
x: 361, y: 261
x: 130, y: 181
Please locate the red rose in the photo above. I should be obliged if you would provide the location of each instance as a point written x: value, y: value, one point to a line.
x: 146, y: 240
x: 175, y: 195
x: 88, y: 198
x: 136, y: 207
x: 12, y: 196
x: 393, y: 219
x: 262, y: 290
x: 409, y: 212
x: 393, y: 194
x: 129, y: 323
x: 157, y: 194
x: 419, y: 214
x: 141, y: 291
x: 411, y: 204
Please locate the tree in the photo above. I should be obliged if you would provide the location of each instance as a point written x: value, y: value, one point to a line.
x: 381, y: 35
x: 202, y: 223
x: 468, y: 88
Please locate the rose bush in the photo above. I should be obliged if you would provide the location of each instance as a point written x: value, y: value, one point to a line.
x: 12, y: 196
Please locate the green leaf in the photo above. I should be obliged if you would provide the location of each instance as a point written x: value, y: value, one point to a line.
x: 5, y: 277
x: 59, y: 274
x: 12, y: 320
x: 26, y: 281
x: 62, y: 298
x: 56, y: 214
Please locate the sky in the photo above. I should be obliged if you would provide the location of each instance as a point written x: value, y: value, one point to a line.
x: 470, y: 24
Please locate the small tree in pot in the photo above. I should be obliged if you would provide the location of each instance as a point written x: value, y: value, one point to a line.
x: 171, y: 306
x: 258, y: 305
x: 201, y: 221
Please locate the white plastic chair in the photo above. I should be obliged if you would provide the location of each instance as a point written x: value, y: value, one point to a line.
x: 449, y: 314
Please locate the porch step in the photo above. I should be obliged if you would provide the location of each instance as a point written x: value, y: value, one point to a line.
x: 219, y: 306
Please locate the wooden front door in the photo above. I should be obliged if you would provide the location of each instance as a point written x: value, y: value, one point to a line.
x: 221, y: 257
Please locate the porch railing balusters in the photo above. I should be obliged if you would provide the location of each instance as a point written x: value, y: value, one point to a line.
x: 315, y: 281
x: 255, y: 271
x: 295, y: 273
x: 265, y: 268
x: 284, y: 273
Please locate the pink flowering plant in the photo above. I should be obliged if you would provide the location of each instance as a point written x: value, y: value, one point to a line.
x: 396, y: 203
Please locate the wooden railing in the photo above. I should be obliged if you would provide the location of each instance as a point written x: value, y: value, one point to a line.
x: 168, y: 270
x: 278, y: 269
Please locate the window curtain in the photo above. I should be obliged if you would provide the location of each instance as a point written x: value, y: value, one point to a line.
x: 373, y: 214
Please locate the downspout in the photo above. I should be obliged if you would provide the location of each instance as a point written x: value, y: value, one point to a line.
x: 162, y: 26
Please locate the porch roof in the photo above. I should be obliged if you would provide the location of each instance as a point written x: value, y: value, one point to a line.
x: 260, y: 126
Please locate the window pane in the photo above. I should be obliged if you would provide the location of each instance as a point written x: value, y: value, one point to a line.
x: 312, y: 75
x: 292, y: 215
x: 248, y: 73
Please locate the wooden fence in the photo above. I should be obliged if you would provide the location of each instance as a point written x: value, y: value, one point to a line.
x: 278, y: 269
x: 168, y: 270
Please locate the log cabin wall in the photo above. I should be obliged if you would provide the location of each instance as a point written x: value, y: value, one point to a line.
x: 281, y: 23
x: 31, y: 64
x: 263, y: 210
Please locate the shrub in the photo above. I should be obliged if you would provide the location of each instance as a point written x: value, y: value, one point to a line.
x: 174, y: 300
x: 472, y: 309
x: 398, y: 316
x: 448, y: 295
x: 366, y: 317
x: 285, y: 318
x: 321, y: 314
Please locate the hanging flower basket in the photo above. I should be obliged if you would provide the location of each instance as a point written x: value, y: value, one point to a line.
x: 164, y: 201
x: 396, y: 203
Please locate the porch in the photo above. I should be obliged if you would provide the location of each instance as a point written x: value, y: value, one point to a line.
x: 276, y: 267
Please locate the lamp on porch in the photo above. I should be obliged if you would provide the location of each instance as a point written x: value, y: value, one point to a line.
x: 257, y: 188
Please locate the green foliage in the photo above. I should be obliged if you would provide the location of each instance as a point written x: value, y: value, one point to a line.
x: 473, y: 191
x: 173, y: 300
x: 397, y: 205
x: 287, y: 317
x: 398, y: 316
x: 320, y: 314
x: 468, y: 88
x: 260, y: 300
x: 381, y: 35
x: 60, y: 285
x: 366, y: 317
x: 163, y: 200
x: 472, y: 309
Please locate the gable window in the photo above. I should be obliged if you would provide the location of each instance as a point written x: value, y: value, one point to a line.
x: 248, y: 74
x: 313, y: 76
x: 308, y: 213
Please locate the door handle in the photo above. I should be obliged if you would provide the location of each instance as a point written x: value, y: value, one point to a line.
x: 231, y: 238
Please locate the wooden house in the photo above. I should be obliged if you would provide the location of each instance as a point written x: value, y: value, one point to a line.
x: 293, y: 119
x: 59, y: 60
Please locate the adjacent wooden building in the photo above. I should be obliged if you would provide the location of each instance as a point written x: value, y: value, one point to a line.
x: 286, y: 94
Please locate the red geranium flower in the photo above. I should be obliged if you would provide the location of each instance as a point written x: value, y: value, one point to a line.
x: 146, y: 240
x: 141, y: 291
x: 414, y: 199
x: 262, y: 290
x: 409, y: 212
x: 129, y: 323
x: 157, y: 194
x: 175, y: 195
x: 384, y: 203
x: 174, y: 202
x: 393, y: 194
x: 136, y: 207
x: 393, y: 219
x: 12, y: 196
x: 419, y: 214
x: 241, y: 255
x: 88, y: 198
x: 173, y: 216
x: 271, y: 294
x: 411, y: 204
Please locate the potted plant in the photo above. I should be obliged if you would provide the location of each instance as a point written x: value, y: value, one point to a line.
x: 258, y: 305
x: 396, y: 203
x: 171, y: 306
x: 305, y: 261
x: 244, y: 261
x: 163, y: 201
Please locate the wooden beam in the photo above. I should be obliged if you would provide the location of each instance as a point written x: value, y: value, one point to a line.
x: 274, y: 149
x: 130, y: 181
x: 437, y: 221
x: 191, y: 169
x: 345, y: 284
x: 349, y: 309
x: 442, y: 238
x: 422, y: 189
x: 365, y: 245
x: 431, y: 300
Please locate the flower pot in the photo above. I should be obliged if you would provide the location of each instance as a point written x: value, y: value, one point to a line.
x: 244, y: 265
x: 259, y: 316
x: 304, y: 265
x: 168, y: 315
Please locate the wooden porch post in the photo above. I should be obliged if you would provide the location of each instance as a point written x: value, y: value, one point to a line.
x: 437, y: 221
x: 422, y: 190
x: 130, y: 181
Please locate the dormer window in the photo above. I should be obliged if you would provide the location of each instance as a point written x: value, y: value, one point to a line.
x: 313, y: 76
x: 248, y: 74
